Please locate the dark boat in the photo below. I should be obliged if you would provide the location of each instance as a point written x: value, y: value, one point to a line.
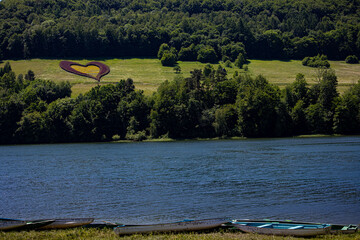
x: 187, y: 225
x: 18, y: 225
x: 67, y: 223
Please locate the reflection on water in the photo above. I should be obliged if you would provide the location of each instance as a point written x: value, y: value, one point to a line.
x: 313, y: 179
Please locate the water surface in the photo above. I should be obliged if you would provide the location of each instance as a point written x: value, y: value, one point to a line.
x: 312, y: 179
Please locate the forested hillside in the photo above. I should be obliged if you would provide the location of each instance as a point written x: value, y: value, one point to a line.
x: 207, y: 104
x: 217, y: 28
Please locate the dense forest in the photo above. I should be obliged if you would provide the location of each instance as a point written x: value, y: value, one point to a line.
x: 205, y: 30
x: 207, y: 104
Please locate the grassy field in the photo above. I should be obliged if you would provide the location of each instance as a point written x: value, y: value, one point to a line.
x: 90, y: 234
x: 149, y: 73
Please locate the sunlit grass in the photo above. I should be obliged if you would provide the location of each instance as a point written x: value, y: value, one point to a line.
x: 148, y: 73
x: 92, y: 234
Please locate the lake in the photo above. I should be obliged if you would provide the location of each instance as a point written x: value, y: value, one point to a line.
x: 304, y: 179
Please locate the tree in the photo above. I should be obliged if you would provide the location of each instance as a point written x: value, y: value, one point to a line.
x: 177, y: 69
x: 233, y: 50
x: 328, y: 90
x: 32, y: 129
x: 57, y: 120
x: 164, y: 48
x: 315, y: 117
x: 240, y: 61
x: 30, y: 75
x: 352, y: 59
x: 347, y: 112
x: 256, y: 104
x: 168, y: 59
x: 207, y: 54
x: 298, y: 117
x: 10, y: 114
x: 188, y: 53
x: 226, y: 121
x: 84, y: 120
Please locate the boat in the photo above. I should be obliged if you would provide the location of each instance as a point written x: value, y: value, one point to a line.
x: 343, y: 229
x: 60, y: 223
x: 186, y: 225
x: 18, y: 225
x: 334, y: 228
x: 67, y: 223
x: 282, y: 229
x: 9, y: 225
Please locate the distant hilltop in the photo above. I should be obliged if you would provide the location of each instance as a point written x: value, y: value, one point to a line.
x: 274, y: 29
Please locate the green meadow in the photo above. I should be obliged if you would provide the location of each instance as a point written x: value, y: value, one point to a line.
x: 149, y: 73
x: 89, y: 234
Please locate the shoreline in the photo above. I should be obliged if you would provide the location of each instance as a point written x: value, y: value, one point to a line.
x: 230, y: 138
x: 89, y: 234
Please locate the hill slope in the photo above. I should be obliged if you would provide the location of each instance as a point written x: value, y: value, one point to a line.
x: 116, y: 28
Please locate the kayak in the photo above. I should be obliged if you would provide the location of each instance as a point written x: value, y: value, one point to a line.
x: 186, y: 225
x: 67, y: 223
x: 18, y: 225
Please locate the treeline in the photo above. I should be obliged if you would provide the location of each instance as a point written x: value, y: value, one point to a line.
x: 207, y: 104
x: 131, y: 28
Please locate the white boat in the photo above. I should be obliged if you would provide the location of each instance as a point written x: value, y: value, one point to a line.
x: 187, y: 225
x: 334, y: 228
x: 283, y: 229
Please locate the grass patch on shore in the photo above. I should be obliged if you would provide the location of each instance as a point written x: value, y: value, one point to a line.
x: 89, y: 234
x: 148, y: 73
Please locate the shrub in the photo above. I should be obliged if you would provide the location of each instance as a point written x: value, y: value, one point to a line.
x: 316, y: 62
x: 352, y: 59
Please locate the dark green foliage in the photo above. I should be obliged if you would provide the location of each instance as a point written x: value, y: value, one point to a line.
x: 225, y: 121
x: 163, y: 47
x: 207, y: 54
x: 233, y: 50
x: 206, y: 104
x: 30, y: 76
x: 240, y: 61
x: 347, y: 112
x: 228, y: 64
x: 256, y: 105
x: 177, y: 69
x: 123, y: 28
x: 188, y: 53
x: 168, y: 59
x: 352, y: 59
x: 57, y: 120
x: 319, y: 61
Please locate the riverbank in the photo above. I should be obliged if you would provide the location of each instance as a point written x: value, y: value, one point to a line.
x: 89, y: 234
x: 167, y: 139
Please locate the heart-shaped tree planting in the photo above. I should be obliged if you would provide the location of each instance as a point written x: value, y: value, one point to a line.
x: 95, y: 70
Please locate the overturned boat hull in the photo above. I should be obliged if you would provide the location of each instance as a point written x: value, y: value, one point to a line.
x: 188, y: 225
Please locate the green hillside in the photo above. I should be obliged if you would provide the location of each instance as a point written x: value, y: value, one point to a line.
x: 148, y: 74
x: 197, y: 29
x: 261, y: 89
